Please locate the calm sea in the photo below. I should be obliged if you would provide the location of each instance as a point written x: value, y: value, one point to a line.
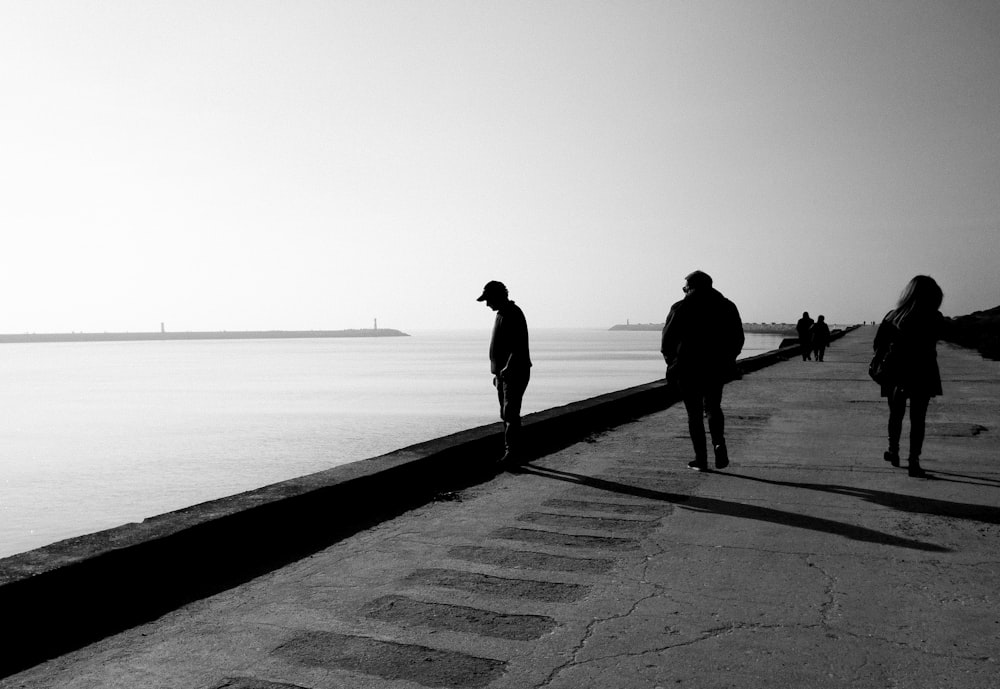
x: 97, y: 434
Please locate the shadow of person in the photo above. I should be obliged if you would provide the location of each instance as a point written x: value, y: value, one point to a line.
x: 906, y: 503
x: 973, y: 480
x: 738, y: 510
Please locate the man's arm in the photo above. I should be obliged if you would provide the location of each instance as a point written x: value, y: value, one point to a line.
x: 737, y: 337
x: 670, y: 337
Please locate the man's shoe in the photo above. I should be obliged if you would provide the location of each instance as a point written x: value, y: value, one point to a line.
x: 914, y: 469
x: 508, y: 462
x: 698, y: 464
x: 721, y: 457
x: 891, y: 457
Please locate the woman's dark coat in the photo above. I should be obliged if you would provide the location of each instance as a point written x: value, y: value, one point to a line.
x: 914, y: 348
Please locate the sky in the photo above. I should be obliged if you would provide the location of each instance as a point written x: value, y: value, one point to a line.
x: 301, y: 164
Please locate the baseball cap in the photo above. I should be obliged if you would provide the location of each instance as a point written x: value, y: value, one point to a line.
x: 492, y: 287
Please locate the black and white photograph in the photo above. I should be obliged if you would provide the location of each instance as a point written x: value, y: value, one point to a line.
x: 499, y: 344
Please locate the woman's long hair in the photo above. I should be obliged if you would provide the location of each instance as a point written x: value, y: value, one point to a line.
x: 922, y: 297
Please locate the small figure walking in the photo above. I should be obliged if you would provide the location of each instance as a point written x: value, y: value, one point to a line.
x: 910, y: 333
x: 802, y: 328
x: 702, y: 337
x: 820, y: 337
x: 510, y: 364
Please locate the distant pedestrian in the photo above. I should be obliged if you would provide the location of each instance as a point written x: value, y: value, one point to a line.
x: 910, y: 333
x: 702, y: 337
x: 510, y: 364
x: 803, y: 327
x: 819, y: 336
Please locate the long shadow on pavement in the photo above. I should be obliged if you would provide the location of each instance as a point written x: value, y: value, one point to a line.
x: 906, y: 503
x: 739, y: 510
x: 975, y: 480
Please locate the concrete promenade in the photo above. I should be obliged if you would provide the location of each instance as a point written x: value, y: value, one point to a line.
x: 809, y: 562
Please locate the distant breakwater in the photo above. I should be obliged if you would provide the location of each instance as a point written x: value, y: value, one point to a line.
x: 757, y: 328
x: 205, y: 335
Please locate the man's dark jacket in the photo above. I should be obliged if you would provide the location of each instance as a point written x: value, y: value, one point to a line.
x: 702, y: 337
x: 509, y: 344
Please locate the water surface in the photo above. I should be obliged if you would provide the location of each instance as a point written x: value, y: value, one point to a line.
x: 97, y: 434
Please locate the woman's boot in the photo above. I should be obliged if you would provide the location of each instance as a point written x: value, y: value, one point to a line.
x: 914, y: 469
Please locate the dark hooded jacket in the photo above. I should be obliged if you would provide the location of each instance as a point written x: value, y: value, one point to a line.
x: 702, y: 337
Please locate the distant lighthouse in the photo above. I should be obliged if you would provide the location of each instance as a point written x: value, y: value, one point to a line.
x: 376, y: 324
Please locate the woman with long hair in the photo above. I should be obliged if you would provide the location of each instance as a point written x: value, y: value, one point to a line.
x: 911, y: 330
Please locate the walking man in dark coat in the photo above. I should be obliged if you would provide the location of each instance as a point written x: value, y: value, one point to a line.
x: 510, y: 364
x: 803, y: 328
x: 702, y: 337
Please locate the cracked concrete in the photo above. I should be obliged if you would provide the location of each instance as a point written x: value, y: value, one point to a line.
x: 809, y: 562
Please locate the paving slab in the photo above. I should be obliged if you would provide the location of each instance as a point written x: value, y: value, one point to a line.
x: 809, y: 562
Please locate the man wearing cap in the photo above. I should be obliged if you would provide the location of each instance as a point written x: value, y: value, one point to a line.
x: 510, y: 363
x: 702, y: 337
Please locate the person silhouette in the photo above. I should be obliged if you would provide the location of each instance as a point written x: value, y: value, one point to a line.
x: 701, y: 339
x: 802, y: 328
x: 819, y: 336
x: 510, y: 364
x: 911, y: 331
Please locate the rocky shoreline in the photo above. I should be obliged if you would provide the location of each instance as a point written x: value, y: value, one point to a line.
x: 979, y: 330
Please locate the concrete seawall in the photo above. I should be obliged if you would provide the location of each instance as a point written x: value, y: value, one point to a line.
x: 65, y: 595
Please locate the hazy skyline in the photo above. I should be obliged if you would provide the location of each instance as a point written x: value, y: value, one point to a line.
x: 297, y: 165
